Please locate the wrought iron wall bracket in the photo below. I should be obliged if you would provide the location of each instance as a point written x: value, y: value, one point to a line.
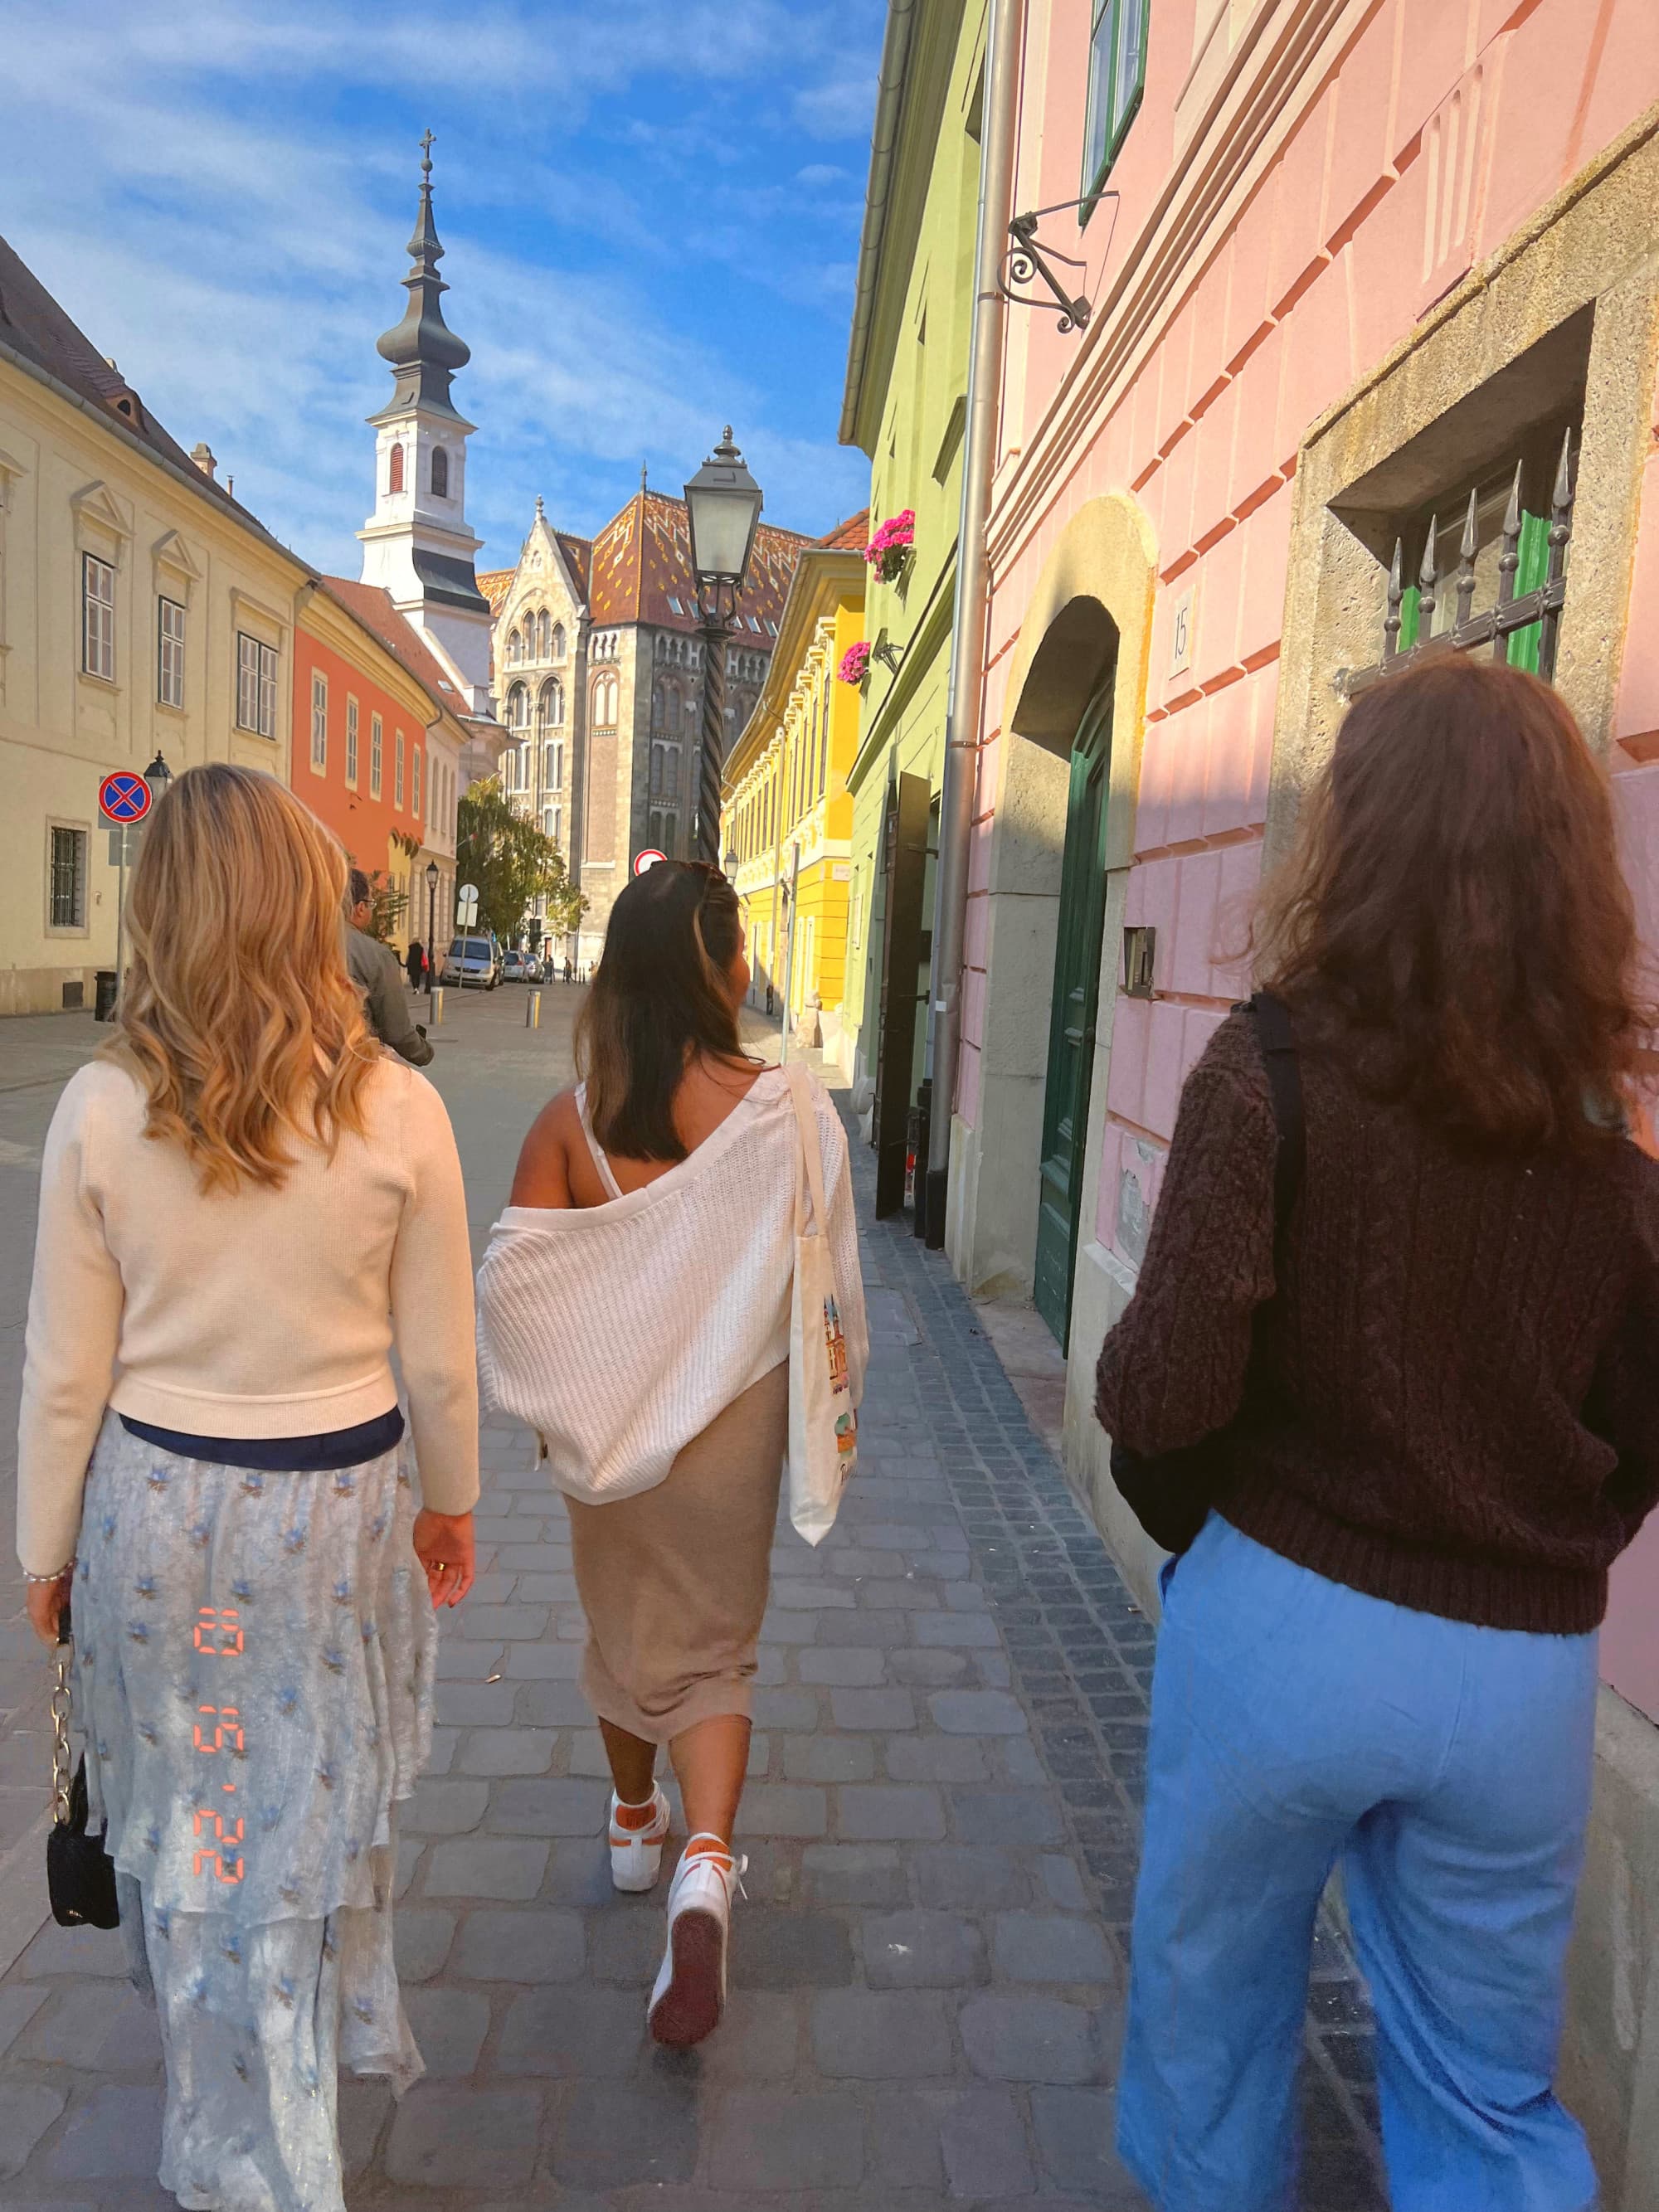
x: 1028, y: 259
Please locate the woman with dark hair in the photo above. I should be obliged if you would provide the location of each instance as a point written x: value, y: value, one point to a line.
x: 635, y: 1311
x: 1381, y: 1650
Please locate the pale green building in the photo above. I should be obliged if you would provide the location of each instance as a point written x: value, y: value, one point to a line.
x: 905, y: 405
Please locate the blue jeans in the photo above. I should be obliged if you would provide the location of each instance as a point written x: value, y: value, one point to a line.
x: 1296, y: 1724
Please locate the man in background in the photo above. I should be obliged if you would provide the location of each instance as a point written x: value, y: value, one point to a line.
x: 375, y: 972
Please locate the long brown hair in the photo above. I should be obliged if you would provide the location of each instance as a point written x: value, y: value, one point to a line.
x: 1454, y: 921
x: 239, y: 1015
x: 660, y: 998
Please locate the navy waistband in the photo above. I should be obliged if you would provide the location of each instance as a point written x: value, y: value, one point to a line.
x: 334, y: 1448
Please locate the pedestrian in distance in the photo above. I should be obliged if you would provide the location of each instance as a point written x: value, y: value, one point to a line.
x: 636, y: 1309
x: 569, y: 969
x: 1434, y: 1422
x: 374, y: 971
x: 244, y: 1206
x: 414, y: 963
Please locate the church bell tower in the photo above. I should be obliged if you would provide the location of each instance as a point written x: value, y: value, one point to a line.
x: 416, y: 543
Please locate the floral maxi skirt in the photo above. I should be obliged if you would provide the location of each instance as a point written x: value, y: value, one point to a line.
x: 255, y: 1657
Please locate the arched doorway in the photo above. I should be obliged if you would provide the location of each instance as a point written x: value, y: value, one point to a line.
x: 1073, y: 1008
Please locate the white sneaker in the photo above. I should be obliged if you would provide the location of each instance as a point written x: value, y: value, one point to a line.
x: 689, y: 1994
x: 636, y: 1853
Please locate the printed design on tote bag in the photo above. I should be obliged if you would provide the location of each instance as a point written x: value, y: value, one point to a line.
x: 841, y: 1381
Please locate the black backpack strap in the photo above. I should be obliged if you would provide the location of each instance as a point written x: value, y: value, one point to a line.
x: 1277, y: 1041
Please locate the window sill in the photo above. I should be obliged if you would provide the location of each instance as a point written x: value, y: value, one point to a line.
x: 243, y: 730
x: 167, y: 707
x: 103, y: 683
x: 68, y: 933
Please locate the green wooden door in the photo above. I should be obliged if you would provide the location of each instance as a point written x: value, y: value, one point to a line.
x: 1072, y: 1021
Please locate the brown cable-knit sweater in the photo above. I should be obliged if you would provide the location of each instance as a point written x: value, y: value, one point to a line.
x: 1465, y: 1357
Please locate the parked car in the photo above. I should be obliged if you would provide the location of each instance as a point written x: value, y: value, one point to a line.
x: 520, y: 967
x: 471, y: 960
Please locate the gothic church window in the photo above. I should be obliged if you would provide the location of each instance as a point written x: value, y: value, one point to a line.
x: 605, y: 703
x: 551, y: 706
x: 395, y: 473
x: 440, y: 473
x: 558, y: 652
x: 518, y: 706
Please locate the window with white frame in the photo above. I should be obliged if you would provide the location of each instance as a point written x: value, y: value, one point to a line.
x: 97, y: 618
x: 553, y: 765
x: 558, y: 641
x: 66, y: 889
x: 1117, y: 75
x: 256, y: 685
x: 319, y: 721
x: 351, y: 742
x: 398, y: 772
x: 169, y: 652
x: 415, y: 785
x: 376, y: 756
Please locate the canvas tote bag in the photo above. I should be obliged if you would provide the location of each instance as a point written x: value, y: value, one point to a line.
x: 824, y: 1428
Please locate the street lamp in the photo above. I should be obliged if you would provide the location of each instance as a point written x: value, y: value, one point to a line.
x: 158, y: 776
x: 431, y: 933
x: 723, y: 502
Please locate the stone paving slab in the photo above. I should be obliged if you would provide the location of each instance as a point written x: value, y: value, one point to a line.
x: 929, y: 1970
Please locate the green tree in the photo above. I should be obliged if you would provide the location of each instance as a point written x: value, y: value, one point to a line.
x: 513, y: 862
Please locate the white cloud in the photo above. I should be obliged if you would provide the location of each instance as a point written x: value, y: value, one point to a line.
x: 195, y: 192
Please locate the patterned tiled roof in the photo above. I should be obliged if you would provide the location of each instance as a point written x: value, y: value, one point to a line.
x: 495, y: 584
x: 642, y: 570
x: 374, y: 609
x: 849, y: 537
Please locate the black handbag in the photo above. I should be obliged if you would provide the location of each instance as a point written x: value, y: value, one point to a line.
x: 80, y: 1872
x: 1170, y: 1493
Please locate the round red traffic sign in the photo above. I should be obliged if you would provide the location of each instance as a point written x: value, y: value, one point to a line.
x: 648, y: 859
x: 123, y: 797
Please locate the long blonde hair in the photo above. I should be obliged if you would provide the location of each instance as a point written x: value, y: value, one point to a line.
x: 239, y: 1015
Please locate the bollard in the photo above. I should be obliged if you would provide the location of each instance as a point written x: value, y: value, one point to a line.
x: 438, y: 1007
x: 532, y: 1011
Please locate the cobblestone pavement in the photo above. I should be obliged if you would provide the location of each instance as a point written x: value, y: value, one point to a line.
x: 927, y: 1973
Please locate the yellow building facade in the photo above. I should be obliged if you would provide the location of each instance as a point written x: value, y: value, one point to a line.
x: 142, y: 611
x: 786, y: 811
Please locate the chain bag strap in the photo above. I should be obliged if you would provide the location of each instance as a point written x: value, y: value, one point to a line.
x: 80, y: 1872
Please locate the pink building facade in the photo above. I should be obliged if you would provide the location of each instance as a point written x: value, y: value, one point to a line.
x: 1352, y: 264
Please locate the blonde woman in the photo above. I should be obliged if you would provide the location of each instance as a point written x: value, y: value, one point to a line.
x: 243, y: 1205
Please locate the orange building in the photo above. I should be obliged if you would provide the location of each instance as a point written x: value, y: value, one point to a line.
x: 376, y: 748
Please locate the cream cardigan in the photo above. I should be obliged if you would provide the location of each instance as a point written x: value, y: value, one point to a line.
x: 620, y: 1331
x: 251, y: 1313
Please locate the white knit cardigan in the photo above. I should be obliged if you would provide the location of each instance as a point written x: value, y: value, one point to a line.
x: 621, y: 1331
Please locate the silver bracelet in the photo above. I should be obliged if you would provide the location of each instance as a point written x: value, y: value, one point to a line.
x: 58, y: 1577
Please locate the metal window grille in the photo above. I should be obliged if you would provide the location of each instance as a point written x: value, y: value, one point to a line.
x: 319, y: 721
x: 1408, y: 631
x: 68, y: 878
x: 351, y: 742
x: 98, y: 617
x: 169, y: 652
x: 376, y: 756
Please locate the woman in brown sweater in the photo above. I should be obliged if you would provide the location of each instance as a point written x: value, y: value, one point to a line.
x: 1380, y: 1650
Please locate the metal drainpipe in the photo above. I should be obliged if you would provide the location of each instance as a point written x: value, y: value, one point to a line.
x: 971, y: 610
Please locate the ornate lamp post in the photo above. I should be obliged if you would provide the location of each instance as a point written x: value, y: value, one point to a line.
x: 724, y: 503
x: 158, y: 776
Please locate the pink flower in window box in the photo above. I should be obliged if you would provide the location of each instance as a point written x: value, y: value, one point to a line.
x: 890, y: 548
x: 855, y: 664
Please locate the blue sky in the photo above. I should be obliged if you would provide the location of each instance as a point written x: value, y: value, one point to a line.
x: 650, y: 213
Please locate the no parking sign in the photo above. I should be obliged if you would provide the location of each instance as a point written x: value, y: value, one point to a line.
x: 123, y: 797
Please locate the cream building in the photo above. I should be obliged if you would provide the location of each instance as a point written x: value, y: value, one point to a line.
x: 141, y: 612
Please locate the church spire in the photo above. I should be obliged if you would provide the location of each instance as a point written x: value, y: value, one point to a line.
x: 423, y: 351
